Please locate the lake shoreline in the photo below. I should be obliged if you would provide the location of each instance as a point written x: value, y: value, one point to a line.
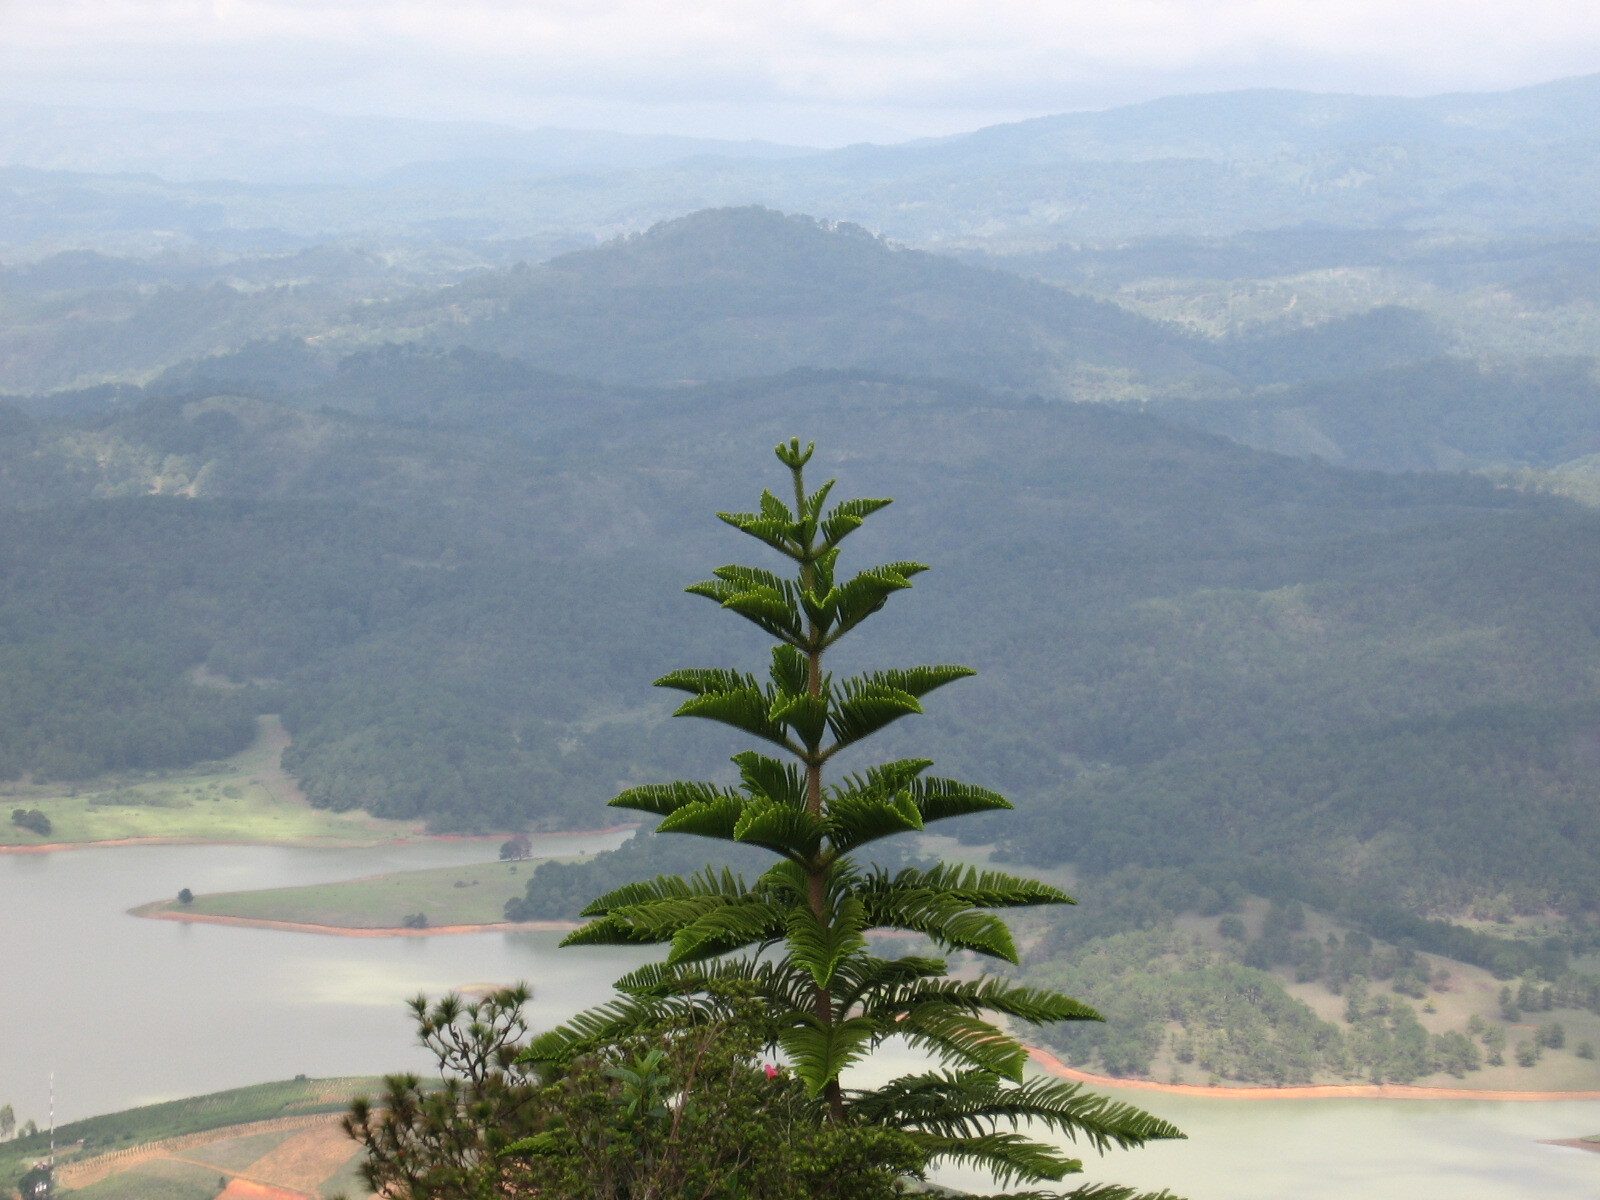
x: 1314, y: 1091
x: 391, y: 903
x: 1047, y: 1061
x: 150, y: 912
x: 1573, y: 1144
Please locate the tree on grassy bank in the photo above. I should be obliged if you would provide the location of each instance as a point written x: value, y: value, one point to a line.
x: 796, y: 935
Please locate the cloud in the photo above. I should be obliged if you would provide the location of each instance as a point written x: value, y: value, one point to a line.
x: 922, y: 64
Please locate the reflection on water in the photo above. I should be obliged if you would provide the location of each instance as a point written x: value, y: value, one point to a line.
x: 1364, y: 1150
x: 127, y: 1011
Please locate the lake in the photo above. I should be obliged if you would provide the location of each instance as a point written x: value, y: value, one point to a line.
x: 127, y: 1011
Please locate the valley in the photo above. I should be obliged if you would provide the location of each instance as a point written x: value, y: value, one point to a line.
x: 1252, y: 440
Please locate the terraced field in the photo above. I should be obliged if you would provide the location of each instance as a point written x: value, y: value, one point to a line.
x: 276, y: 1141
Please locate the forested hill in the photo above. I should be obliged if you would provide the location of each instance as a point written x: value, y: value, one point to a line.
x: 1409, y: 374
x: 719, y: 294
x: 723, y: 294
x: 731, y: 293
x: 461, y: 618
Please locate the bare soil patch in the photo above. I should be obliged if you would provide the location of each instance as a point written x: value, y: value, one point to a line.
x: 306, y: 1159
x: 246, y: 1189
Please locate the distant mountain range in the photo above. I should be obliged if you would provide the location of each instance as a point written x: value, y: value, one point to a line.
x: 1517, y: 161
x: 1261, y: 122
x: 296, y: 146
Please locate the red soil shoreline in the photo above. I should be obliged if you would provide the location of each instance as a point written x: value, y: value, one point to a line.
x: 52, y: 847
x: 1318, y: 1091
x: 344, y: 930
x: 1046, y: 1060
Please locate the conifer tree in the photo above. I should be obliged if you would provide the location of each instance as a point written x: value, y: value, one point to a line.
x: 798, y: 933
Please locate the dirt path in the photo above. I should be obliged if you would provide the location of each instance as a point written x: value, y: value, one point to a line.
x: 245, y: 1183
x: 248, y: 1189
x: 280, y: 785
x: 1319, y: 1091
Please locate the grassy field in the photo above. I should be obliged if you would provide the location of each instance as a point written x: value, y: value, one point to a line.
x: 158, y: 1179
x: 469, y: 895
x: 246, y: 798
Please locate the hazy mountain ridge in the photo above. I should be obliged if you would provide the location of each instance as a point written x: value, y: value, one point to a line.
x: 745, y: 293
x: 714, y: 295
x: 1498, y: 162
x: 739, y: 292
x: 719, y: 294
x: 1267, y: 122
x: 304, y: 146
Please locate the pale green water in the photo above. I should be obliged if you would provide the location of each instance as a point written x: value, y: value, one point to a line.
x: 1346, y: 1149
x: 127, y: 1010
x: 1363, y: 1150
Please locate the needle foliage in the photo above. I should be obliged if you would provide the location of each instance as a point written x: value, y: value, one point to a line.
x: 798, y: 932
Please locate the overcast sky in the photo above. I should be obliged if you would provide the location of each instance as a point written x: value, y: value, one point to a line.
x: 805, y: 71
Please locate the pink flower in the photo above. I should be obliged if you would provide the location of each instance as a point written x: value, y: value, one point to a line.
x: 772, y: 1071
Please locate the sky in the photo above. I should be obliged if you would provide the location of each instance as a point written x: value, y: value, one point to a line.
x: 812, y: 72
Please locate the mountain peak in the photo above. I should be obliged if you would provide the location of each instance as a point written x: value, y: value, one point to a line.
x: 743, y: 240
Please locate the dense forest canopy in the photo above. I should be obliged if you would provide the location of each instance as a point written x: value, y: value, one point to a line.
x: 1196, y: 633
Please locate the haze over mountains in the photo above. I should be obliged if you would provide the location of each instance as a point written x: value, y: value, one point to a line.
x: 749, y: 292
x: 294, y: 146
x: 1509, y: 162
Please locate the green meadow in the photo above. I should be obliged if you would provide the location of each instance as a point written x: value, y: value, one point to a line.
x: 246, y: 798
x: 464, y: 895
